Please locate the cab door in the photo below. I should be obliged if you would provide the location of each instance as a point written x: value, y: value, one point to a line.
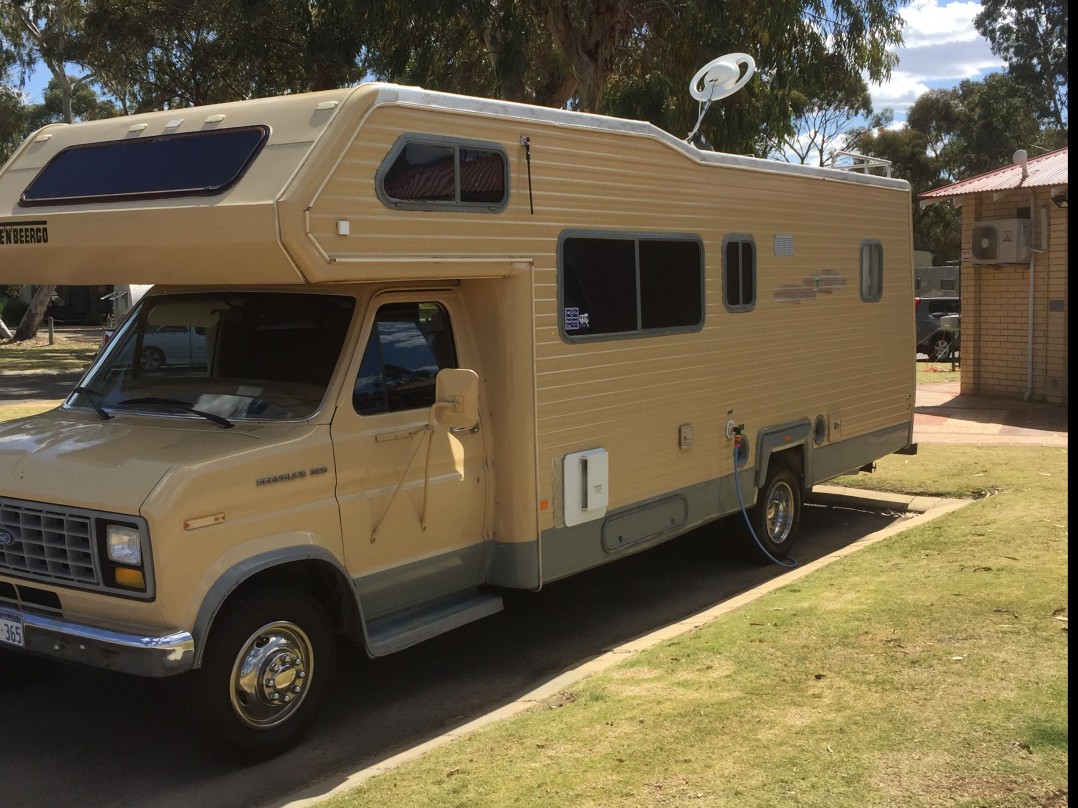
x: 412, y: 495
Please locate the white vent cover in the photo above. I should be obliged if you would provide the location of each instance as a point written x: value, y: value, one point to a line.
x: 585, y: 486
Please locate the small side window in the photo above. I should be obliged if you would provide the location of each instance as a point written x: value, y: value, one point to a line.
x: 431, y: 173
x: 409, y: 344
x: 739, y: 273
x: 871, y: 271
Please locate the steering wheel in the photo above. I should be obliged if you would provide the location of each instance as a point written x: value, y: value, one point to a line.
x: 722, y: 77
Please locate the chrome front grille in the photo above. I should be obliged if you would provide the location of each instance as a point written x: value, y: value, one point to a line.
x: 47, y: 543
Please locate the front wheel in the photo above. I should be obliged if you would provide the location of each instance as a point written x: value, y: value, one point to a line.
x: 777, y: 513
x: 268, y: 663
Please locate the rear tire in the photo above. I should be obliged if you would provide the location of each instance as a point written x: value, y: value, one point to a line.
x: 151, y: 359
x: 268, y: 664
x: 777, y: 513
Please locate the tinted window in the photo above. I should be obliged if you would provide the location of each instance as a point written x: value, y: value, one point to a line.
x: 739, y: 273
x: 261, y: 355
x: 171, y: 165
x: 408, y: 345
x: 423, y: 173
x: 871, y: 270
x: 620, y: 285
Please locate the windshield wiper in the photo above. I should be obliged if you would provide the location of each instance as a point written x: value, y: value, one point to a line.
x: 92, y: 396
x: 175, y: 404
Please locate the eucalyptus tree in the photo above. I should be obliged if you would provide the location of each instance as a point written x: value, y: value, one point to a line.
x: 160, y: 54
x: 45, y: 32
x: 634, y: 58
x: 1032, y: 36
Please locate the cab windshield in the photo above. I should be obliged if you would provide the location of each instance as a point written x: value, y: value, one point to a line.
x: 221, y: 355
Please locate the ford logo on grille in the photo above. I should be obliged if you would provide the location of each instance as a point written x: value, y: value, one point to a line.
x: 6, y: 538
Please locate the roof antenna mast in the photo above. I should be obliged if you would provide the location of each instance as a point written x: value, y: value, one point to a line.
x: 717, y: 79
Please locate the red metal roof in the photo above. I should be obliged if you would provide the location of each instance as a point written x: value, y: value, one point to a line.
x: 1044, y: 170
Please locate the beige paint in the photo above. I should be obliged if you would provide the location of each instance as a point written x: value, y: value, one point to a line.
x: 810, y: 346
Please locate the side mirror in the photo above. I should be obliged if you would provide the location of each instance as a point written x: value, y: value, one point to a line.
x: 456, y: 398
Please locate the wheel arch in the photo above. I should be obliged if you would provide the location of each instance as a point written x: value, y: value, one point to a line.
x: 787, y: 444
x: 308, y: 569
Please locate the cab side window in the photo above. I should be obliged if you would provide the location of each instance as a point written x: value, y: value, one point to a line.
x: 408, y: 345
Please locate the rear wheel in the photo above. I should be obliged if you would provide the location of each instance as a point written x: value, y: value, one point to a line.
x: 777, y: 513
x: 268, y: 663
x: 151, y: 359
x: 940, y: 349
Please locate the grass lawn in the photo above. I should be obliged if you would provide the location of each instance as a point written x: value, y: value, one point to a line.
x: 35, y: 356
x: 927, y: 670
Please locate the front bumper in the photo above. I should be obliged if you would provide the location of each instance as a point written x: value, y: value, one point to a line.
x: 155, y: 656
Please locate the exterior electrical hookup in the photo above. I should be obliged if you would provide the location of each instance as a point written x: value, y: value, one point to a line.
x: 393, y: 362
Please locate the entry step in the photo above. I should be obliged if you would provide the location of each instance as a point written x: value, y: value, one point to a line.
x: 403, y: 629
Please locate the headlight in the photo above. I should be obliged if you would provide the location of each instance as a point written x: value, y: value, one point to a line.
x: 124, y: 545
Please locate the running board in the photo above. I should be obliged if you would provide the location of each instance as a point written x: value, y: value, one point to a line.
x: 403, y: 629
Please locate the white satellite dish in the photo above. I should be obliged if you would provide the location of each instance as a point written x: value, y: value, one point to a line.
x: 722, y: 77
x: 717, y: 79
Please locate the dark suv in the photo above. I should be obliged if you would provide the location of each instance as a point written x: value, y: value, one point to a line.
x: 931, y: 338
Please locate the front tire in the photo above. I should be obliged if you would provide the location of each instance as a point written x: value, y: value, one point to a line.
x: 269, y: 661
x: 777, y: 513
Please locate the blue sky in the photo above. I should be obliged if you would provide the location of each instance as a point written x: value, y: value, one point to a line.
x: 941, y: 49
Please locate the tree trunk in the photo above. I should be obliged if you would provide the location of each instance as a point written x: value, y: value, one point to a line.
x: 31, y: 321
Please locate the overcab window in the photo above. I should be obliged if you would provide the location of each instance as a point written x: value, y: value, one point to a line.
x: 614, y: 285
x: 436, y: 173
x: 189, y: 164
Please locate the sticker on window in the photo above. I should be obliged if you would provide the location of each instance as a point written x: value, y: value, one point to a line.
x: 575, y: 320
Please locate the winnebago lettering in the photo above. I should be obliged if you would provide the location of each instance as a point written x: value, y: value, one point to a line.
x: 28, y: 233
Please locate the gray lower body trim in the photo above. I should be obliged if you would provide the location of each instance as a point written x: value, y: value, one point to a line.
x: 153, y: 656
x: 847, y: 456
x: 568, y: 550
x: 406, y: 585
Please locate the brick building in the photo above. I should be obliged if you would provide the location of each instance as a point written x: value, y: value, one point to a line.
x: 1014, y: 278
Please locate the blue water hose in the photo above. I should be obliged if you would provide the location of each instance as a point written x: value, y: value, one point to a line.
x: 790, y: 562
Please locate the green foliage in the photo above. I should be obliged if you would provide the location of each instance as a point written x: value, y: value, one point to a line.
x: 1033, y: 37
x: 160, y: 54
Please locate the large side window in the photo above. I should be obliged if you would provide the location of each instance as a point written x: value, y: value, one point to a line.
x: 739, y: 273
x: 617, y: 285
x: 430, y: 173
x: 408, y: 345
x: 871, y: 270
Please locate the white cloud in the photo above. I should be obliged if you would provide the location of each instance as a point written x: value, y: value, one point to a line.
x: 941, y: 48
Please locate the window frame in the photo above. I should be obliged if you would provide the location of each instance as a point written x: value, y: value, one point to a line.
x: 740, y: 238
x: 875, y: 251
x: 373, y: 335
x: 636, y: 237
x: 456, y: 204
x: 146, y: 144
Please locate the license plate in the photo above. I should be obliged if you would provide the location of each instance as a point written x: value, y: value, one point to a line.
x: 11, y: 630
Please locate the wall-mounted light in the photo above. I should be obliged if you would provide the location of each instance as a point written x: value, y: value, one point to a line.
x: 1060, y: 199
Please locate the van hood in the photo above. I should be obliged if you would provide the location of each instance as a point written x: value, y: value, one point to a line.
x: 76, y: 460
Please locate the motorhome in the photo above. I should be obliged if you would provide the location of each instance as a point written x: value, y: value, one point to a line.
x: 446, y: 346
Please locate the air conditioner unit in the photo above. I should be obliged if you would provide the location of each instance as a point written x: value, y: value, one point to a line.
x: 1004, y: 241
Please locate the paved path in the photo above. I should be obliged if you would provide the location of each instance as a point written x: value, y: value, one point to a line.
x: 944, y: 416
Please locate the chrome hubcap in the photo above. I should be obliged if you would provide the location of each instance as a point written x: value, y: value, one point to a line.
x: 272, y: 675
x: 780, y: 513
